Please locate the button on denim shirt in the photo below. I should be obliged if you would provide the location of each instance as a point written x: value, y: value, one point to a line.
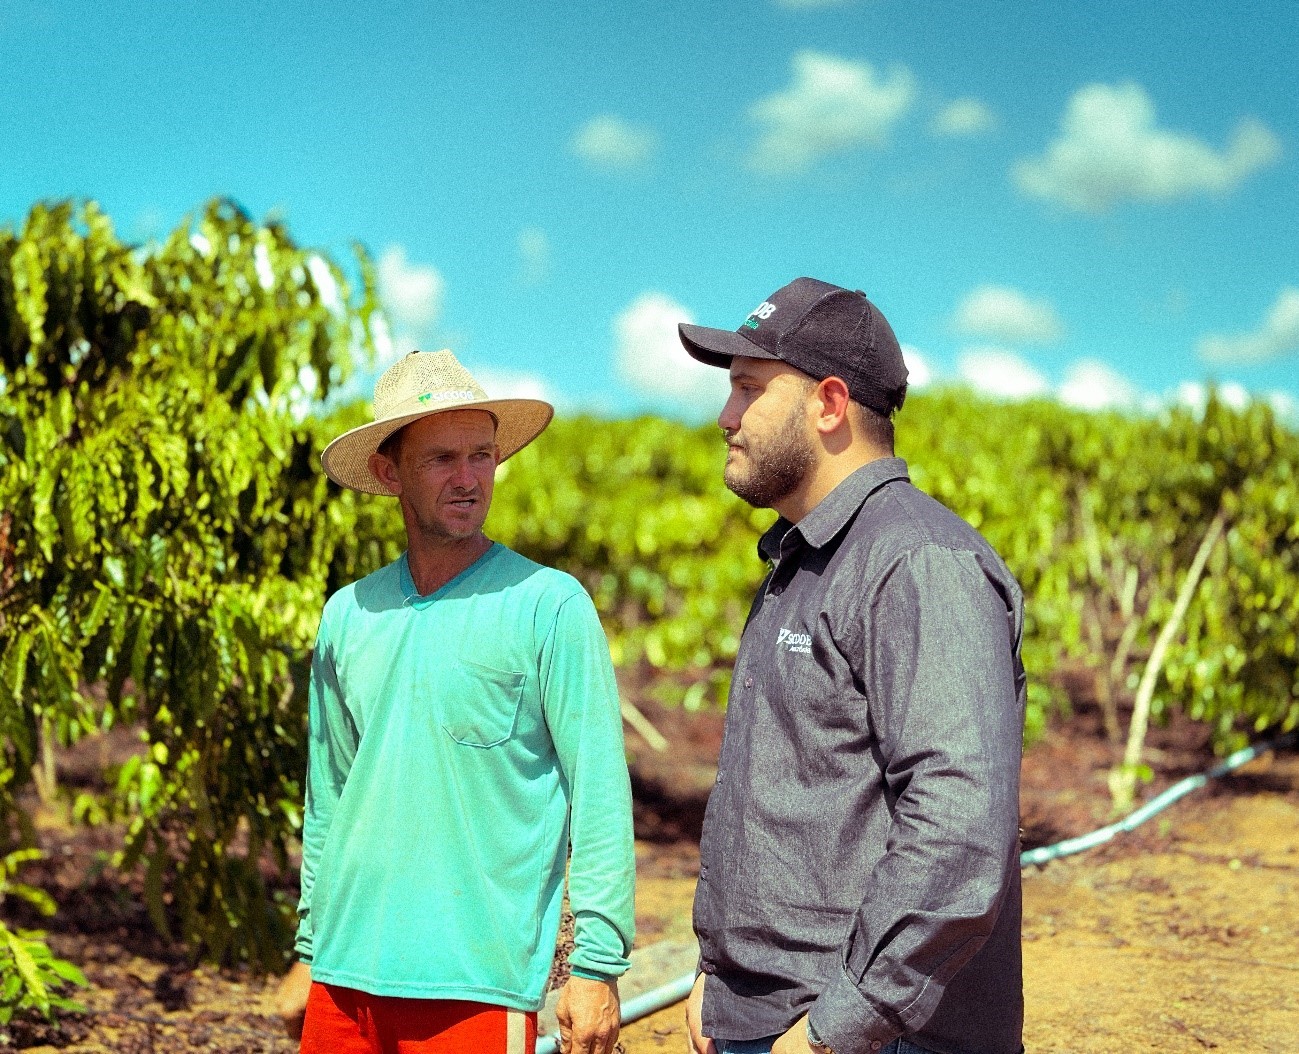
x: 860, y: 853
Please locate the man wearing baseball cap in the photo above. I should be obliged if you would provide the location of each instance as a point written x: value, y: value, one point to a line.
x: 464, y: 732
x: 859, y: 878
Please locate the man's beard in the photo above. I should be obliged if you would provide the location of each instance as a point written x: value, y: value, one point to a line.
x: 776, y: 465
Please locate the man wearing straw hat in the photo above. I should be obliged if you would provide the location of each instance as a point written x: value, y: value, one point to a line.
x: 464, y: 732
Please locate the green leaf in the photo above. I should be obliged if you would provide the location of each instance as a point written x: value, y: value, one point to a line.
x: 27, y: 970
x: 69, y: 972
x: 115, y: 570
x: 9, y: 988
x: 38, y: 898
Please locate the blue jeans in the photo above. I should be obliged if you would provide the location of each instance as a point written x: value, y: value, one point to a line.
x: 763, y: 1046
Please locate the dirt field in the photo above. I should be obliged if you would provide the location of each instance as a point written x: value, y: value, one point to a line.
x: 1180, y: 937
x: 1183, y: 939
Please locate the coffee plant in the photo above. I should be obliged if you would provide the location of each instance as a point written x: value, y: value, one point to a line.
x: 167, y: 541
x: 166, y: 537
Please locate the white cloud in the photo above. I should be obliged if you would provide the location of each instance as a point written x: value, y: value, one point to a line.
x: 963, y: 117
x: 1191, y: 394
x: 412, y: 300
x: 650, y: 357
x: 1154, y: 404
x: 830, y: 106
x: 1284, y: 405
x: 412, y: 293
x: 534, y: 255
x: 1004, y: 314
x: 1195, y: 395
x: 1109, y: 151
x: 1233, y: 394
x: 1092, y: 385
x: 1000, y: 373
x: 614, y: 144
x: 919, y: 373
x: 1278, y: 336
x: 510, y: 384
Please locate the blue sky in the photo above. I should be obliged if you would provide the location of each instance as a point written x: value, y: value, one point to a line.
x: 1096, y: 200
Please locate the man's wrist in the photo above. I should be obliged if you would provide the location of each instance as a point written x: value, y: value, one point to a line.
x: 592, y: 975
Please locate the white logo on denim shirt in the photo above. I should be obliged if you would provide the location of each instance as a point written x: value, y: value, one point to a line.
x: 798, y: 643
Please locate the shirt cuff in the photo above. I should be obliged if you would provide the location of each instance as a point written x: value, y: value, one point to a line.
x: 591, y: 975
x: 844, y: 1020
x: 598, y: 948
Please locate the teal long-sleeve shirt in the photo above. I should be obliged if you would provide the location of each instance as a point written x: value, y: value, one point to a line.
x: 459, y: 742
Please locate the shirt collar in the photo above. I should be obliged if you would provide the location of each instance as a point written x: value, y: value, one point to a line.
x: 416, y: 599
x: 830, y: 515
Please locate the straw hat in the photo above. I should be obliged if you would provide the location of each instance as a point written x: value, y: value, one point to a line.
x: 418, y: 385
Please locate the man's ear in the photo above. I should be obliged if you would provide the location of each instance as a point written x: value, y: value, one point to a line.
x: 386, y: 471
x: 833, y: 398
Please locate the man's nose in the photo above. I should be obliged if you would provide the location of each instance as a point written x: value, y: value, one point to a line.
x: 729, y: 419
x: 462, y: 477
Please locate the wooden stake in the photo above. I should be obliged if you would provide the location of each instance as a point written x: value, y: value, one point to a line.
x: 1123, y: 780
x: 642, y: 725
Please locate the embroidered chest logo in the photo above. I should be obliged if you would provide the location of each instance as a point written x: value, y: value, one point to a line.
x: 798, y: 643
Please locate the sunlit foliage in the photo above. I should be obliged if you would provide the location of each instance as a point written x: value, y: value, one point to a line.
x: 167, y: 541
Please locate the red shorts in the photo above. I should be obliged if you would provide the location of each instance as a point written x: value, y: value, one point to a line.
x: 345, y: 1021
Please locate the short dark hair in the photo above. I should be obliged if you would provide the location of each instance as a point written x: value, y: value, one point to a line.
x: 391, y: 447
x: 877, y: 428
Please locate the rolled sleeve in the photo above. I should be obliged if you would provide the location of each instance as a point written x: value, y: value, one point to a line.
x: 940, y: 670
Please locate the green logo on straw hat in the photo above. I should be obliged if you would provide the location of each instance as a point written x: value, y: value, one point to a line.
x: 449, y: 396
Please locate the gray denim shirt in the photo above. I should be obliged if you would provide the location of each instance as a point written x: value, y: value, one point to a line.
x: 860, y: 853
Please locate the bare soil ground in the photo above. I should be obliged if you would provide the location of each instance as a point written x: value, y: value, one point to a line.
x: 1181, y: 937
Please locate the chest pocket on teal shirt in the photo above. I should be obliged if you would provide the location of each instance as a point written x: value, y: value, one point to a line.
x: 481, y: 704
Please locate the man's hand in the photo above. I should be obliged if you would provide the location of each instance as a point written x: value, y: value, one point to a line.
x: 589, y: 1016
x: 699, y: 1043
x: 291, y: 998
x: 795, y: 1040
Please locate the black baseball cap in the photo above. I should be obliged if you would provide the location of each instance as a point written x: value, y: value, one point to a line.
x: 820, y: 329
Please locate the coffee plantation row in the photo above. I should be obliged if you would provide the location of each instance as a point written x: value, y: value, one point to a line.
x: 167, y: 540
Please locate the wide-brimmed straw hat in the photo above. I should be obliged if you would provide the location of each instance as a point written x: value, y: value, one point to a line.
x: 419, y: 385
